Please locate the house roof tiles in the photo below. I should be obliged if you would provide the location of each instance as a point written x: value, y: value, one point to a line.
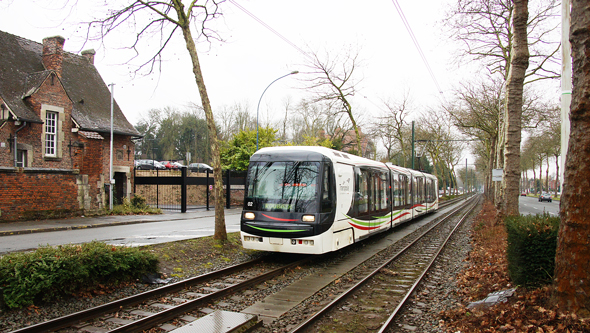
x: 22, y: 72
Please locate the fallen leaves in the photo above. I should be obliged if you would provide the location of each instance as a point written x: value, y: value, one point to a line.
x: 486, y: 272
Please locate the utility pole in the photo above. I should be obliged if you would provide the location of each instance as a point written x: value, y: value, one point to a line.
x: 566, y: 84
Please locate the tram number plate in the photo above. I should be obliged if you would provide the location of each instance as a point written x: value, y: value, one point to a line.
x: 276, y: 241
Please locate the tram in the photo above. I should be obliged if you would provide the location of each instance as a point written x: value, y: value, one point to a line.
x: 315, y: 200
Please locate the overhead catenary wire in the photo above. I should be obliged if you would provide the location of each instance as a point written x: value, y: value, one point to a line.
x: 271, y: 29
x: 416, y: 44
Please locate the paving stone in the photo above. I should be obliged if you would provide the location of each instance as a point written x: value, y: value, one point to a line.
x: 162, y: 306
x: 188, y: 318
x: 142, y: 313
x: 168, y: 327
x: 119, y: 321
x: 92, y: 329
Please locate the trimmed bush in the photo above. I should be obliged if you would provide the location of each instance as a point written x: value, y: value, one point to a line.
x: 53, y: 272
x: 532, y: 241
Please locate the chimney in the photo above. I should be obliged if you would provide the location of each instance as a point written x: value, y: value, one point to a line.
x: 89, y: 54
x: 53, y: 53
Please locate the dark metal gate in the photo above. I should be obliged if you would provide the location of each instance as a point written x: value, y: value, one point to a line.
x: 185, y: 190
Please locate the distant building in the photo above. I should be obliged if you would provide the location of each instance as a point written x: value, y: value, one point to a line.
x: 55, y: 132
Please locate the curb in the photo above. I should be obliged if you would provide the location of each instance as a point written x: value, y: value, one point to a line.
x: 97, y: 225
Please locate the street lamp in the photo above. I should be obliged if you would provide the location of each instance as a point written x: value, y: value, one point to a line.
x: 258, y: 107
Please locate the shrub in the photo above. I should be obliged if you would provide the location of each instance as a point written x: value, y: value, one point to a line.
x: 532, y: 241
x: 54, y: 272
x: 138, y: 202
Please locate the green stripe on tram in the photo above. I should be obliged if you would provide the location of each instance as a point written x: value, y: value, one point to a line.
x: 274, y: 230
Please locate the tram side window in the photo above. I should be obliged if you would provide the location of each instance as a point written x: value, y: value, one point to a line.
x: 380, y: 187
x: 362, y: 195
x: 404, y: 195
x: 396, y: 191
x: 420, y: 190
x: 328, y: 194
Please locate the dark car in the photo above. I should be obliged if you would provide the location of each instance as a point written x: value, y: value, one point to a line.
x: 545, y: 197
x: 199, y: 167
x: 145, y: 165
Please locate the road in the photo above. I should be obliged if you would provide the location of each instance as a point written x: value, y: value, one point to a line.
x: 131, y: 234
x: 532, y: 206
x: 168, y: 231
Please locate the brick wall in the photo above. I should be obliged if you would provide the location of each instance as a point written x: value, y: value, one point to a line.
x: 37, y: 194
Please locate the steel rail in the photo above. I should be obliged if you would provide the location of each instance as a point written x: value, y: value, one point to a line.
x: 74, y: 318
x: 163, y: 316
x: 309, y: 321
x: 389, y: 320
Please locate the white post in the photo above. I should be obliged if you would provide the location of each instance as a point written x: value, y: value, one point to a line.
x: 111, y: 180
x: 566, y: 85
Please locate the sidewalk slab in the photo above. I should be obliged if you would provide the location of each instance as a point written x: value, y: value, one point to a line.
x: 29, y: 227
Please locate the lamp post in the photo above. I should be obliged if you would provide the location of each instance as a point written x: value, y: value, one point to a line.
x: 111, y: 180
x: 258, y: 107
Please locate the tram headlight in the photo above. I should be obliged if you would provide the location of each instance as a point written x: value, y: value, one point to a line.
x: 249, y: 216
x: 308, y: 218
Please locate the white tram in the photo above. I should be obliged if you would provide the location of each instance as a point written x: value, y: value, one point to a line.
x: 315, y: 200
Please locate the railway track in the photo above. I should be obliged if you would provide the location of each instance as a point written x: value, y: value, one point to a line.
x: 371, y: 301
x: 178, y: 303
x: 152, y: 308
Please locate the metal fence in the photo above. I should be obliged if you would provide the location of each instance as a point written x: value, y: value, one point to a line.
x: 185, y: 190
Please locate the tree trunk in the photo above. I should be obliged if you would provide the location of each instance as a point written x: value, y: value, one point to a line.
x: 519, y: 62
x: 572, y: 277
x: 557, y: 180
x: 220, y: 231
x: 547, y: 176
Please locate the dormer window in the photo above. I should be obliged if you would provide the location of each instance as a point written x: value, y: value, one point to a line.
x: 3, y: 112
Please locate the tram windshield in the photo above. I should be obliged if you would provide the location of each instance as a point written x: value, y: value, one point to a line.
x: 283, y: 186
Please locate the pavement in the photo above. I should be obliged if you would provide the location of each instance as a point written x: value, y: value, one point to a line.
x: 29, y: 227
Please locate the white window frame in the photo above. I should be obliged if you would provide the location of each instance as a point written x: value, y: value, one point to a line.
x: 21, y: 158
x: 51, y: 121
x: 59, y: 135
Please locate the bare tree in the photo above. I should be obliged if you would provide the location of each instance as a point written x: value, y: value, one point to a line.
x: 333, y: 80
x: 485, y: 30
x: 572, y: 277
x: 163, y: 19
x: 391, y: 127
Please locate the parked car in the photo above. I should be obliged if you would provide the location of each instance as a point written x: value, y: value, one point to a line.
x: 145, y: 164
x: 523, y: 194
x: 545, y: 197
x: 199, y: 167
x: 171, y: 165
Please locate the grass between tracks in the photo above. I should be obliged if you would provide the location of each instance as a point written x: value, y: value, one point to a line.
x: 529, y: 310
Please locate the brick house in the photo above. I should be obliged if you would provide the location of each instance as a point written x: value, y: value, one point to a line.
x: 55, y: 132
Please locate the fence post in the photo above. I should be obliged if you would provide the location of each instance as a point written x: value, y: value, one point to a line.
x: 207, y: 188
x: 227, y: 190
x: 183, y: 190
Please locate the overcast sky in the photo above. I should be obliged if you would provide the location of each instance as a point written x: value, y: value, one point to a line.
x: 239, y: 69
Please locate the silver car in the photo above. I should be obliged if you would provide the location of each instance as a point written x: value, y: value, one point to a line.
x: 545, y: 197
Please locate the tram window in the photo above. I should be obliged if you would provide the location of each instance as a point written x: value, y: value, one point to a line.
x: 362, y: 199
x: 381, y: 198
x: 396, y: 191
x: 327, y: 190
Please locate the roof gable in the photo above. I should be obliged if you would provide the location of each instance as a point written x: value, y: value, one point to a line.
x: 22, y: 72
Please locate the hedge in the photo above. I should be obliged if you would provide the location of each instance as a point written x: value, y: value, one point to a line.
x: 53, y: 272
x: 532, y: 241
